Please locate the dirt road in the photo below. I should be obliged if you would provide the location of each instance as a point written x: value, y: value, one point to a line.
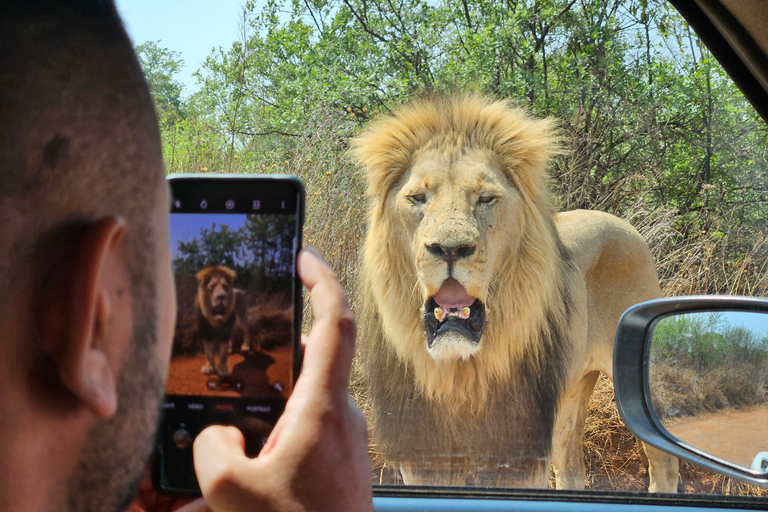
x: 733, y: 435
x: 260, y: 374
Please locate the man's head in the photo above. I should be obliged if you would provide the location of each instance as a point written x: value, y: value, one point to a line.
x: 85, y: 283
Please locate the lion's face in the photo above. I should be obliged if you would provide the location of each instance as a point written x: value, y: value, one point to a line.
x: 218, y: 294
x: 461, y: 260
x: 455, y: 207
x: 215, y: 293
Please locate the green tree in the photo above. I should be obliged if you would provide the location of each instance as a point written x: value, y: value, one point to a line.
x: 648, y: 119
x: 161, y: 67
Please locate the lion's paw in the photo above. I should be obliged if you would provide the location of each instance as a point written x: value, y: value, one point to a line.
x: 222, y: 370
x: 208, y: 369
x: 246, y: 347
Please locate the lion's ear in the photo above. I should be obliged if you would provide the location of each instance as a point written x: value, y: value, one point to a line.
x: 229, y: 273
x: 84, y: 316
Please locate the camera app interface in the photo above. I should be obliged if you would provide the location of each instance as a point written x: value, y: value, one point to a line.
x: 234, y: 287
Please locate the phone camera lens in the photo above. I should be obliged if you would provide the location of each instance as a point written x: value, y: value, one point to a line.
x: 203, y: 204
x: 182, y: 439
x: 229, y: 204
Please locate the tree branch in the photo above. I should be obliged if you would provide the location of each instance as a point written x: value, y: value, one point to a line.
x: 363, y: 23
x: 270, y: 132
x: 466, y: 13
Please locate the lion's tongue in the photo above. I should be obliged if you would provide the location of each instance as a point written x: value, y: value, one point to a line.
x: 452, y: 295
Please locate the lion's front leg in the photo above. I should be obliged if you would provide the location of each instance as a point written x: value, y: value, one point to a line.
x: 208, y: 367
x: 222, y: 368
x: 241, y: 320
x: 246, y: 347
x: 414, y: 475
x: 568, y: 435
x: 663, y: 469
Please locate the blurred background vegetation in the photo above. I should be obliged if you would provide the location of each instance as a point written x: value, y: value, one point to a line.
x: 655, y: 132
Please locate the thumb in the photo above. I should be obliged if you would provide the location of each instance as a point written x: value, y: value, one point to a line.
x: 220, y: 462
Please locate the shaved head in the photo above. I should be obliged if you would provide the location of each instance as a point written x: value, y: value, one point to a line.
x: 78, y: 132
x: 79, y: 141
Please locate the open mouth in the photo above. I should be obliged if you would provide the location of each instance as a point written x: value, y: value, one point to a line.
x: 453, y: 309
x: 218, y: 310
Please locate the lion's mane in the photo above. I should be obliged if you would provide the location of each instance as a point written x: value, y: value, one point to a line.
x: 528, y: 295
x: 203, y: 299
x: 524, y: 344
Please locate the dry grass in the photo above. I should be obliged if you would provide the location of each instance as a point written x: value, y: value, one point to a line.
x: 689, y: 262
x: 611, y: 454
x: 335, y: 209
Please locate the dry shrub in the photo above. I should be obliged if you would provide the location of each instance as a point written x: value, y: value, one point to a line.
x: 335, y: 209
x: 681, y: 391
x: 697, y: 480
x: 718, y: 260
x: 269, y: 321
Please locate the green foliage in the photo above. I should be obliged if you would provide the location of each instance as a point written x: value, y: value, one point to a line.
x: 217, y: 245
x: 649, y: 120
x: 707, y: 340
x: 260, y: 252
x: 160, y: 68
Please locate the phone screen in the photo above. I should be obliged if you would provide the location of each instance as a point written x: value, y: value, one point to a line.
x: 234, y: 244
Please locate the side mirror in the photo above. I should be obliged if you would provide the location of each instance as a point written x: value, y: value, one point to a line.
x: 691, y: 378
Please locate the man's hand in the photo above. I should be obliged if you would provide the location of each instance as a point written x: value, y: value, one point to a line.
x: 316, y: 457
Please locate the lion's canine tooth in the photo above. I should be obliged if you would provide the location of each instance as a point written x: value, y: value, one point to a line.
x: 438, y: 313
x: 465, y: 311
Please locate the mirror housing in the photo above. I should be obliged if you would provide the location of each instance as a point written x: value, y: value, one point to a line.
x: 631, y: 363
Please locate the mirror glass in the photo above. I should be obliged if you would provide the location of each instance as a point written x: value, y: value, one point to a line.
x: 708, y: 375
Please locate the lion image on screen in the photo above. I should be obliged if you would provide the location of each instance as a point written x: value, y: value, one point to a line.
x: 219, y: 309
x: 486, y: 318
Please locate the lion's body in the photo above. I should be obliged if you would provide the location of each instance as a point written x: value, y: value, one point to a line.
x: 487, y: 318
x: 219, y: 309
x: 612, y: 270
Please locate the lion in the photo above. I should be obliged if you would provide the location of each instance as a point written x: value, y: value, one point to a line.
x: 219, y: 308
x: 486, y: 318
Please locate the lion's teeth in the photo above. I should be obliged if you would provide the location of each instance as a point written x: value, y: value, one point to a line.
x: 438, y: 313
x: 465, y: 311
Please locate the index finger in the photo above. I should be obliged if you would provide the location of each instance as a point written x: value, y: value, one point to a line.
x: 321, y: 281
x: 330, y: 344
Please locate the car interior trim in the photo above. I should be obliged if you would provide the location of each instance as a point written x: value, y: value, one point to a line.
x: 732, y: 46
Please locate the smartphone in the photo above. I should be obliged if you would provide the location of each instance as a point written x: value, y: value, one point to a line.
x: 235, y: 355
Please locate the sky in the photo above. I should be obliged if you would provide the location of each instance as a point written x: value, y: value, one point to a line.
x: 192, y: 27
x: 186, y: 226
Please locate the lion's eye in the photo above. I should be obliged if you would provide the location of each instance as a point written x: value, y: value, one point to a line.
x: 486, y: 199
x: 419, y: 198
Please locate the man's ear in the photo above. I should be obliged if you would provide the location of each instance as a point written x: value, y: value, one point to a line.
x: 76, y: 315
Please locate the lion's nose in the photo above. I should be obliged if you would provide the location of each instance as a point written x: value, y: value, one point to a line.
x: 451, y: 254
x: 220, y: 296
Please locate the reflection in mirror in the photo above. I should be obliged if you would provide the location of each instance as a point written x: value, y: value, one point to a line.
x: 708, y: 375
